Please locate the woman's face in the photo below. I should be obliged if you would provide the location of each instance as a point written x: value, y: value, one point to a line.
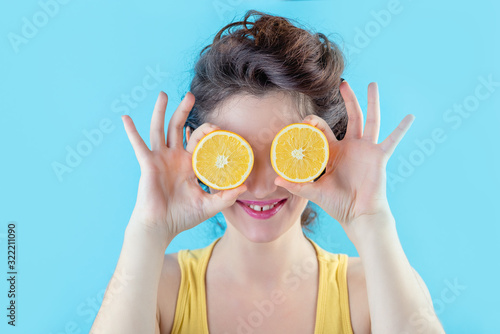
x: 258, y: 120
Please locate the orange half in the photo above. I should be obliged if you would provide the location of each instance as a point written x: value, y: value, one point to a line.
x: 222, y: 160
x: 299, y: 152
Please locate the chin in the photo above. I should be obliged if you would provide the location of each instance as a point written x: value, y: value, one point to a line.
x: 258, y: 230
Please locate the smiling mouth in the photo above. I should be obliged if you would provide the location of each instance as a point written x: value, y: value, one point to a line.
x: 262, y: 212
x: 260, y: 208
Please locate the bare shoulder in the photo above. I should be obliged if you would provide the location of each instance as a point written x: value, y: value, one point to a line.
x: 358, y: 296
x: 168, y: 290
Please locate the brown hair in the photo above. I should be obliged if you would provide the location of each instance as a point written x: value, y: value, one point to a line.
x: 271, y: 55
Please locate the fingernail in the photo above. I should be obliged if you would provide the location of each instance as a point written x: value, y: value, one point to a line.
x: 342, y: 79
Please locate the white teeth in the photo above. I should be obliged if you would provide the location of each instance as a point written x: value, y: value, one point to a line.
x: 262, y: 208
x: 256, y: 207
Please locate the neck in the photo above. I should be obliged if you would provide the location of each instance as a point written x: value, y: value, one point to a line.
x: 266, y: 265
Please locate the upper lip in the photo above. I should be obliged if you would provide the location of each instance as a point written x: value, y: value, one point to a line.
x: 261, y: 203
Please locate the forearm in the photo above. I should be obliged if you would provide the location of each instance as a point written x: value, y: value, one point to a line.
x: 399, y: 301
x: 129, y: 303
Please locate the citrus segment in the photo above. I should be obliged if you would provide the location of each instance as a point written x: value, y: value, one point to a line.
x: 299, y: 152
x: 222, y: 160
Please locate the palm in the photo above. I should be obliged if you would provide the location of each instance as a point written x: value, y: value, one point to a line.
x: 354, y: 183
x: 169, y: 199
x: 169, y: 172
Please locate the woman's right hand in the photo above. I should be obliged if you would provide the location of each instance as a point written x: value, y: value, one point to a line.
x: 169, y: 198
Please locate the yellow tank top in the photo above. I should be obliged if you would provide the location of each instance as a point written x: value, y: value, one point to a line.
x: 332, y: 315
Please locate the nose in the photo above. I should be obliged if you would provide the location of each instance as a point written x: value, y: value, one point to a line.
x: 260, y: 182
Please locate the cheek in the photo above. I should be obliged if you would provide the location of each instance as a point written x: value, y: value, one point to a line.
x: 299, y: 204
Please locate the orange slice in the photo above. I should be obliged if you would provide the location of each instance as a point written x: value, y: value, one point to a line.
x: 222, y: 160
x: 299, y: 152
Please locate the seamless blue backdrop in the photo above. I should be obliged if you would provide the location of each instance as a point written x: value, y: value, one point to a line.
x: 71, y: 67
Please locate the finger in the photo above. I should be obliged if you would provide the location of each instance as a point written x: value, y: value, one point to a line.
x: 354, y: 113
x: 321, y: 124
x: 390, y: 143
x: 372, y: 126
x: 217, y: 202
x: 176, y: 123
x: 307, y: 190
x: 157, y: 132
x: 140, y: 148
x: 198, y: 134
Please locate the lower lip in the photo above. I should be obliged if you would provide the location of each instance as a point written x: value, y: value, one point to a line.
x: 263, y: 214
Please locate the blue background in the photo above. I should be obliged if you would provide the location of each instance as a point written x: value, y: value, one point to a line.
x: 70, y: 74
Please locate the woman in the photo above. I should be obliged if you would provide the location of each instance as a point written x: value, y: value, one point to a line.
x: 264, y: 275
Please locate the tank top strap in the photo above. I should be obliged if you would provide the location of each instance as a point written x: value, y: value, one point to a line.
x: 332, y: 315
x: 190, y: 312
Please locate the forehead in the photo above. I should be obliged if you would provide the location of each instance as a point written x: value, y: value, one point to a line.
x: 257, y: 119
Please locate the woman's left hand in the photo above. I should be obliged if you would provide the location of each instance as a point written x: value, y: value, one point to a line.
x: 354, y: 184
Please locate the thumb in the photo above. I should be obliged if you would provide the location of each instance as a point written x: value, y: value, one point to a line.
x: 223, y: 199
x: 306, y: 190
